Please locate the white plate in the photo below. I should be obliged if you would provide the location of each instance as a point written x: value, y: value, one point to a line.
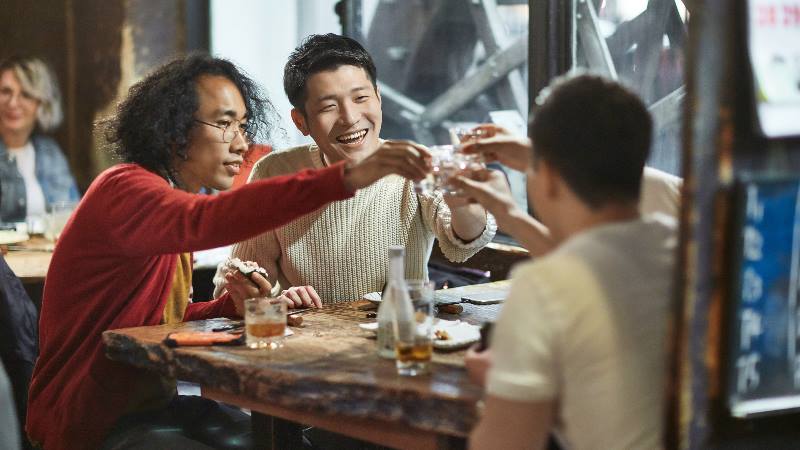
x: 461, y: 333
x: 12, y: 237
x: 374, y: 297
x: 371, y: 326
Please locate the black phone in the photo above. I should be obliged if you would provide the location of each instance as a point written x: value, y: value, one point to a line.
x: 486, y: 331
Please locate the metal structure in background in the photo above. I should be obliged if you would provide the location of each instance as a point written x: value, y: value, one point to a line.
x: 635, y: 54
x: 442, y: 62
x: 449, y: 61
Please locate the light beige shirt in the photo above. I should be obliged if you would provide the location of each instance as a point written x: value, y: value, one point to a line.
x: 586, y: 327
x: 661, y: 193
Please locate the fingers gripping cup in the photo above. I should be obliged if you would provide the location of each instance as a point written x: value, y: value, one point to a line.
x: 460, y: 135
x: 446, y: 161
x: 265, y: 322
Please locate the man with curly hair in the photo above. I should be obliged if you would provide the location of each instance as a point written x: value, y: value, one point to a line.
x: 123, y: 259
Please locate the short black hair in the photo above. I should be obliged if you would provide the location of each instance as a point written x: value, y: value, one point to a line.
x: 596, y: 134
x: 320, y: 53
x: 152, y: 124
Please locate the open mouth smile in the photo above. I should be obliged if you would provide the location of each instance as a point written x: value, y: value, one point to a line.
x: 352, y: 138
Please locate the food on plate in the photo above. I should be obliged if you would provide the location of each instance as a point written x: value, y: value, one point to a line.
x: 451, y: 309
x: 441, y: 335
x: 294, y: 320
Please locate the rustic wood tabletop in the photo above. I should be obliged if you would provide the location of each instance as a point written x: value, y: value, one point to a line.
x: 328, y: 368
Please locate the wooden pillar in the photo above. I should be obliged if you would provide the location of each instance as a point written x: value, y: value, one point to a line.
x: 721, y: 144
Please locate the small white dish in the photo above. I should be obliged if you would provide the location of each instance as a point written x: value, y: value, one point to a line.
x: 374, y: 297
x: 372, y: 326
x: 459, y: 334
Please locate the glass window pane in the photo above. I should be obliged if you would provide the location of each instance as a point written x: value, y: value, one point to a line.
x: 448, y: 63
x: 642, y: 43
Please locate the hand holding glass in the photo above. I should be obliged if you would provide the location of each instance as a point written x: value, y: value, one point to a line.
x: 459, y: 135
x: 265, y: 322
x: 446, y: 161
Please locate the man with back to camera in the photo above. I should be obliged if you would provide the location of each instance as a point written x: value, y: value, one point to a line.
x: 124, y: 257
x: 340, y: 252
x: 580, y: 345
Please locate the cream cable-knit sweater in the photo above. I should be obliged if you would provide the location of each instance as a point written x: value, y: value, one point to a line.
x: 342, y: 249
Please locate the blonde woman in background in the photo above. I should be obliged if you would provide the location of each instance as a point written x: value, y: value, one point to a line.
x: 33, y: 170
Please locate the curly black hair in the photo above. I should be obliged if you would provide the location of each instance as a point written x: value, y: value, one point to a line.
x: 319, y: 53
x: 152, y: 124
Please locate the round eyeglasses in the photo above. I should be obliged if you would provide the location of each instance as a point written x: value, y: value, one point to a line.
x: 230, y: 130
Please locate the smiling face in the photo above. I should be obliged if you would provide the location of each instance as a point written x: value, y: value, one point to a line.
x: 18, y: 108
x: 211, y: 162
x: 342, y: 113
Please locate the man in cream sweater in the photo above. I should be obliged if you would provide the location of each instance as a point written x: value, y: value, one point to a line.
x: 339, y: 252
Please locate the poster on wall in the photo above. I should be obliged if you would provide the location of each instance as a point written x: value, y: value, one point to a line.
x: 764, y: 348
x: 774, y: 46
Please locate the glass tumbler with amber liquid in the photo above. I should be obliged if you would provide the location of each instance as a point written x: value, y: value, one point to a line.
x: 265, y: 322
x: 414, y: 329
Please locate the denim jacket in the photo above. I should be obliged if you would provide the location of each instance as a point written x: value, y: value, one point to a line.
x: 52, y: 172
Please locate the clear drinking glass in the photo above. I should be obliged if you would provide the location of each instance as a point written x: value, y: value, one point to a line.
x: 57, y: 218
x: 460, y: 134
x: 265, y: 322
x: 414, y: 343
x: 446, y: 161
x: 429, y: 184
x: 35, y: 225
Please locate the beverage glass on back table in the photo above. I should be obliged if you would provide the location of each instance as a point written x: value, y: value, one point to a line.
x: 57, y: 218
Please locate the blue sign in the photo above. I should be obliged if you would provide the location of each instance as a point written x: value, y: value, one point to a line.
x: 764, y: 357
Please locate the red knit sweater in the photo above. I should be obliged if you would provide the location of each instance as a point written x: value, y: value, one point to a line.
x: 113, y: 268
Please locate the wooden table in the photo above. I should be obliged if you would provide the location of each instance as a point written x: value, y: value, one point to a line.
x: 31, y: 263
x: 327, y: 375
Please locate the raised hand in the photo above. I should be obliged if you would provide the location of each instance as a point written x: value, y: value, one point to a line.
x: 405, y: 158
x: 488, y: 188
x: 497, y: 144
